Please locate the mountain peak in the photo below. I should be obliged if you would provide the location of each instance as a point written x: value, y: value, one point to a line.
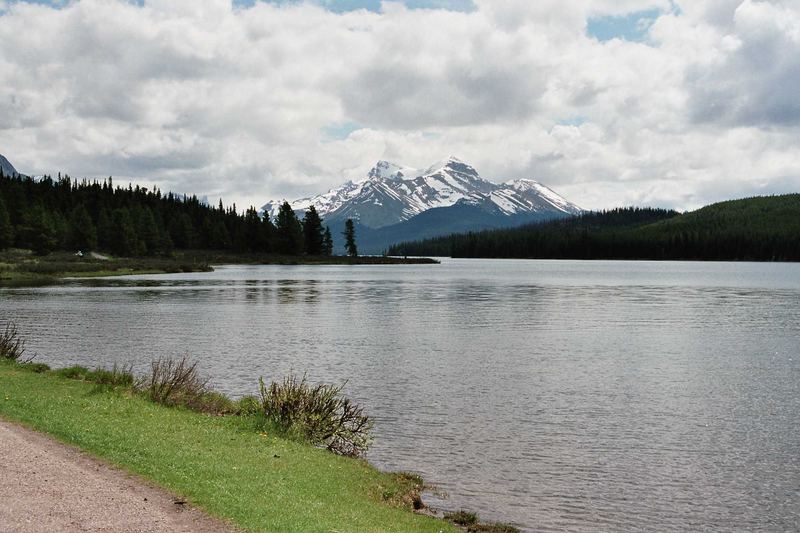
x: 6, y: 166
x: 453, y: 164
x: 387, y: 170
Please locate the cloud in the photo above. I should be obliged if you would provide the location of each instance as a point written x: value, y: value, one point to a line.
x: 284, y: 99
x: 754, y: 79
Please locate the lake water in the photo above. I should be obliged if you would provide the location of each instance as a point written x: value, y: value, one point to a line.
x: 557, y: 395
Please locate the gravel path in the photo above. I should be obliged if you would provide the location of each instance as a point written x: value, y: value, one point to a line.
x: 48, y: 486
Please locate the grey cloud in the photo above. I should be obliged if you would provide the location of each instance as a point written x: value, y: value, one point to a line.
x: 756, y: 84
x: 204, y: 98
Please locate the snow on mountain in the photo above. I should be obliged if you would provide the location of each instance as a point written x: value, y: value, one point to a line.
x: 393, y: 193
x: 7, y: 167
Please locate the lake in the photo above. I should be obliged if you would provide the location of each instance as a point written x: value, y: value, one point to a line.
x: 556, y: 395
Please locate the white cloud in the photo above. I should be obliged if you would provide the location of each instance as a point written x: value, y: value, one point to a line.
x: 235, y: 102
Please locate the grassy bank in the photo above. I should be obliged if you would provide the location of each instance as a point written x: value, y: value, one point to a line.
x: 225, y: 465
x: 23, y: 268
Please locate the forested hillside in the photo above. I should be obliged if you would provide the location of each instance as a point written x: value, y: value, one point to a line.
x: 47, y: 214
x: 758, y: 229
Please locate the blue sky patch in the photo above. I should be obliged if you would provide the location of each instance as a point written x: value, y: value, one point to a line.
x: 571, y: 121
x: 632, y: 27
x: 340, y: 130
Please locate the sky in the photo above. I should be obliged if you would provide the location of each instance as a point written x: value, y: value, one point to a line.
x: 669, y: 103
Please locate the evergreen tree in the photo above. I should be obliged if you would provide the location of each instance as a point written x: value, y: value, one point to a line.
x: 350, y: 238
x: 147, y: 230
x: 125, y: 241
x: 312, y: 232
x: 268, y: 230
x: 327, y: 242
x: 39, y: 232
x: 105, y: 230
x: 181, y: 231
x: 253, y: 231
x: 6, y: 229
x: 81, y: 233
x: 217, y: 236
x: 288, y: 231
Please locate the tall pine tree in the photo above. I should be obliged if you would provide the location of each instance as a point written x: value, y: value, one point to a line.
x: 350, y: 238
x: 288, y: 231
x: 312, y: 231
x: 327, y: 242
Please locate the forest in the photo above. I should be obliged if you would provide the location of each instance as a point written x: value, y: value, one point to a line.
x: 46, y: 214
x: 752, y: 229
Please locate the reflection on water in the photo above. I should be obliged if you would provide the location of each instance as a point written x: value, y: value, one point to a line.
x: 556, y: 395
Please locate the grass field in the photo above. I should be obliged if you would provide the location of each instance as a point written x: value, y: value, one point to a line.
x: 224, y: 465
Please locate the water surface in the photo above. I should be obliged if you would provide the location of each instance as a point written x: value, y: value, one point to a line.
x: 557, y: 395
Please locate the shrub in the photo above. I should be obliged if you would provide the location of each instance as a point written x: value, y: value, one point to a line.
x: 116, y: 377
x: 12, y: 345
x: 215, y: 403
x: 408, y: 491
x: 39, y: 368
x: 462, y: 518
x: 174, y: 382
x: 469, y: 521
x: 248, y: 405
x: 74, y: 372
x: 318, y: 414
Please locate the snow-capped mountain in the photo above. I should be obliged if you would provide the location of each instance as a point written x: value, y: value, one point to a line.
x: 7, y: 168
x: 391, y: 194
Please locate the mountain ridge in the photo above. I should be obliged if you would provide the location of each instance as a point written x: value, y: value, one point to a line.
x: 391, y: 194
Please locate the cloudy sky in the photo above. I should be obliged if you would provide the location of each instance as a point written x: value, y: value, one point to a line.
x: 609, y: 102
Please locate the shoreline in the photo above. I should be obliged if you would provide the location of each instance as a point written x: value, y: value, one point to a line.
x: 21, y: 268
x: 118, y: 426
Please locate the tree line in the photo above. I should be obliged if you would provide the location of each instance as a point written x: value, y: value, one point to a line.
x: 47, y: 214
x: 757, y: 229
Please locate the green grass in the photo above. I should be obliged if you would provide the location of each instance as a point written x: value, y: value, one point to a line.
x: 257, y: 480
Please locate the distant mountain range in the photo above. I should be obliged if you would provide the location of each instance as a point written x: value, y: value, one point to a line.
x: 6, y: 166
x: 396, y: 203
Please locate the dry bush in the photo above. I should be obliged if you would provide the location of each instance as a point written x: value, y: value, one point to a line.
x: 118, y: 376
x: 174, y: 382
x: 318, y: 414
x: 12, y: 345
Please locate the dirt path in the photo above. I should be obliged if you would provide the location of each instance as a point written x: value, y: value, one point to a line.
x: 47, y: 486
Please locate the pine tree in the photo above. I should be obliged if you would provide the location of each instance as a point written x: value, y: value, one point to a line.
x: 289, y: 231
x: 105, y: 230
x: 312, y: 232
x: 350, y: 238
x: 125, y: 241
x: 81, y: 233
x: 327, y: 242
x: 39, y: 232
x: 253, y: 231
x: 181, y: 231
x: 6, y: 229
x: 147, y: 230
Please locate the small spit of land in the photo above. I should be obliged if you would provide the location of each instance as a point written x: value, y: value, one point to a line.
x: 24, y: 268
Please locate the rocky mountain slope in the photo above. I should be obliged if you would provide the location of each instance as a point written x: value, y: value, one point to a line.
x: 392, y: 194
